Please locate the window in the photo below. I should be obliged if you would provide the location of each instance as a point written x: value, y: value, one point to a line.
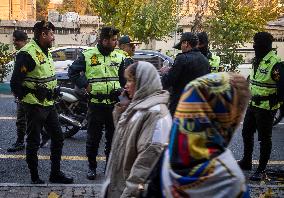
x: 151, y: 58
x: 64, y: 54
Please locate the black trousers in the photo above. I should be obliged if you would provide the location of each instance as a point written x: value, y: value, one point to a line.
x: 37, y: 118
x: 99, y: 117
x: 260, y: 120
x: 21, y: 124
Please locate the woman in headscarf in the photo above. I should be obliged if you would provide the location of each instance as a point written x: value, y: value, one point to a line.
x: 141, y: 132
x: 197, y: 162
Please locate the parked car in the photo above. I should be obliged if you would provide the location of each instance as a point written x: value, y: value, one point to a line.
x: 64, y: 56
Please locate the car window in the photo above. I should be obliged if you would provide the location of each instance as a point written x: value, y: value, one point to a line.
x: 58, y: 55
x: 70, y: 54
x: 155, y: 60
x: 64, y: 54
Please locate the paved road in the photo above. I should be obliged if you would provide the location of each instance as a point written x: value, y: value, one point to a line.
x: 14, y: 171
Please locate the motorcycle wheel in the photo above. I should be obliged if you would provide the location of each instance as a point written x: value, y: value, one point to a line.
x: 277, y: 117
x: 69, y: 131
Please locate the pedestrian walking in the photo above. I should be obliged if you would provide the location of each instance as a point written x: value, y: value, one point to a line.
x: 142, y: 129
x: 266, y: 85
x: 33, y: 82
x: 203, y: 46
x: 100, y: 65
x: 197, y: 161
x: 188, y: 65
x: 20, y: 39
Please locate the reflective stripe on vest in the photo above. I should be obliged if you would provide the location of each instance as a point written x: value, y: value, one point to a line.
x: 103, y: 79
x: 261, y: 83
x: 102, y: 72
x: 42, y: 80
x: 43, y: 74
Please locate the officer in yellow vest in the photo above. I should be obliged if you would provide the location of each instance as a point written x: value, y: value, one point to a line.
x: 127, y: 48
x: 213, y: 59
x: 100, y: 66
x: 20, y: 39
x: 266, y: 85
x: 33, y: 82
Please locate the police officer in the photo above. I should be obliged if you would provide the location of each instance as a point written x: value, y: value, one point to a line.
x: 188, y: 65
x: 100, y: 65
x: 20, y: 40
x: 203, y: 46
x: 266, y: 84
x: 127, y: 48
x: 33, y: 82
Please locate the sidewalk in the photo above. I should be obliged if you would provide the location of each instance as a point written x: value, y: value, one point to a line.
x: 93, y: 190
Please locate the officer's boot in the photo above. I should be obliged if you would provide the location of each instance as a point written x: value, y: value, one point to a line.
x: 91, y: 174
x: 246, y: 162
x: 265, y: 150
x: 32, y: 162
x: 35, y: 177
x: 57, y: 176
x: 92, y: 153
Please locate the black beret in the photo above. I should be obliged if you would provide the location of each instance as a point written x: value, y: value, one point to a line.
x: 43, y: 25
x: 263, y: 38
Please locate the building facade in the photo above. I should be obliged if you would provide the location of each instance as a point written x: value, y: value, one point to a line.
x: 18, y: 10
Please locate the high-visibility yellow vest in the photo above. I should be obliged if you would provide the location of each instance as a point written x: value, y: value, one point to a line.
x: 262, y: 84
x: 42, y: 75
x: 102, y: 72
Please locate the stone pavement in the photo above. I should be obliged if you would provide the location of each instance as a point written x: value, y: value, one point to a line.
x: 49, y: 190
x: 93, y: 190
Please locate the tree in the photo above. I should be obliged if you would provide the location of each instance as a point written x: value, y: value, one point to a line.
x: 81, y: 7
x: 143, y: 20
x: 41, y: 9
x: 198, y: 9
x: 234, y: 22
x: 5, y: 58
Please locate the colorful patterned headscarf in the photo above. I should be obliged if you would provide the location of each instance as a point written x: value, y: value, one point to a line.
x: 206, y: 117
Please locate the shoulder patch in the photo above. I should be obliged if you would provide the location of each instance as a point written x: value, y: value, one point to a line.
x: 23, y: 69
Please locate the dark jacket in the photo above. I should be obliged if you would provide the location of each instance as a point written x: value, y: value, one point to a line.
x: 125, y: 63
x: 187, y: 67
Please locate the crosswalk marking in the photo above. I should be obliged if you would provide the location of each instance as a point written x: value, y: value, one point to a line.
x: 83, y: 158
x: 47, y: 157
x: 8, y: 118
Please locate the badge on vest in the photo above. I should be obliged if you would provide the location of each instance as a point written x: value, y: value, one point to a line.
x: 40, y: 58
x: 94, y: 60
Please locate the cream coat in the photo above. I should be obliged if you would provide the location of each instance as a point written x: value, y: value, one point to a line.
x: 140, y: 135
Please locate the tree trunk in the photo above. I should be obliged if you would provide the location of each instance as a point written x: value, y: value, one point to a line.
x: 151, y: 45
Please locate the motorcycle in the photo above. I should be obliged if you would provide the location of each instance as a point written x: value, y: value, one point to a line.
x: 72, y: 106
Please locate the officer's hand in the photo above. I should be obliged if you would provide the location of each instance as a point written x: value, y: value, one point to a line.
x: 89, y: 88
